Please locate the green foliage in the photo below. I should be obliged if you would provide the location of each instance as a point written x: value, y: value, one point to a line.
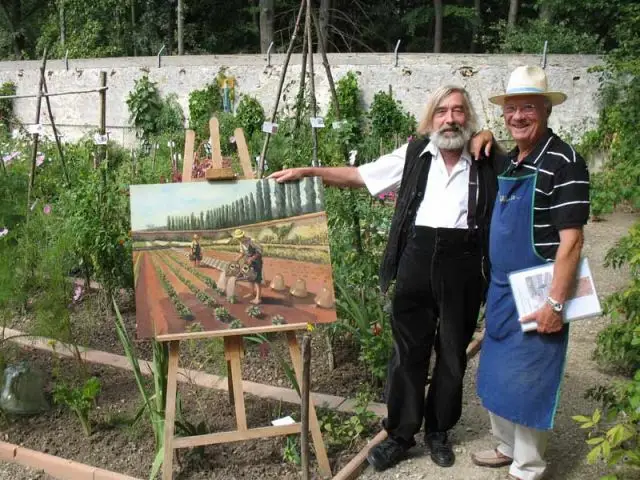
x: 291, y: 450
x: 350, y: 105
x: 223, y: 314
x: 81, y: 399
x: 617, y: 345
x: 6, y: 105
x: 202, y: 105
x: 250, y: 115
x: 342, y: 434
x: 254, y: 311
x: 530, y: 37
x: 278, y: 320
x: 389, y: 120
x: 150, y: 114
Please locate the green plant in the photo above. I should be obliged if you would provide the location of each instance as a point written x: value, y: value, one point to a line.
x: 222, y: 314
x: 202, y: 105
x: 278, y: 320
x: 6, y: 104
x: 235, y: 323
x: 145, y: 107
x: 364, y: 317
x: 616, y: 344
x: 254, y: 311
x: 342, y: 434
x: 154, y: 402
x: 291, y: 450
x: 250, y: 115
x: 81, y: 400
x: 389, y: 122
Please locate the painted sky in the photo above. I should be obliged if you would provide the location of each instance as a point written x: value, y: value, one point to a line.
x: 151, y: 204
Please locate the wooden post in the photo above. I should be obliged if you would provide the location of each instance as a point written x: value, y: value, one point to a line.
x: 36, y: 136
x: 265, y: 146
x: 312, y: 83
x: 306, y: 380
x: 170, y: 409
x: 55, y: 130
x: 103, y: 116
x: 187, y: 158
x: 303, y: 78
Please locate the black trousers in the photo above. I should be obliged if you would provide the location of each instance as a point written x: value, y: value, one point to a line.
x: 439, y: 288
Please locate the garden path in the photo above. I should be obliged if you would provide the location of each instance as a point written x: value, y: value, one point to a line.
x: 567, y: 450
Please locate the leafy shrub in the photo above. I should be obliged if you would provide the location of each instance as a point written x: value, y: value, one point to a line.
x: 81, y: 400
x: 278, y: 320
x: 388, y: 119
x: 250, y: 115
x: 6, y: 104
x: 235, y: 323
x: 222, y: 314
x: 254, y: 311
x: 202, y: 105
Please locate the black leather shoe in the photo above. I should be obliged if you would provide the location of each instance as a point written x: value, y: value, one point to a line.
x: 386, y: 454
x: 440, y: 449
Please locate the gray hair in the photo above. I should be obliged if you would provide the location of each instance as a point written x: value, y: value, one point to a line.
x: 426, y: 123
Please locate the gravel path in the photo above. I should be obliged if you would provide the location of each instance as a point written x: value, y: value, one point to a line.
x: 567, y: 450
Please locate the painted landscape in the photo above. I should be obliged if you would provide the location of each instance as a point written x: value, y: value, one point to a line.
x: 177, y: 293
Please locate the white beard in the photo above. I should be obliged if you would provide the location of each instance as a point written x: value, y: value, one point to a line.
x: 452, y: 141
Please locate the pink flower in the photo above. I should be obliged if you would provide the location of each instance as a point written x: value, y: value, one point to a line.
x: 410, y: 138
x: 77, y: 293
x: 7, y: 159
x: 39, y: 160
x: 47, y: 209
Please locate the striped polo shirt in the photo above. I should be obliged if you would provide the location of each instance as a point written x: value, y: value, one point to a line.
x: 562, y: 189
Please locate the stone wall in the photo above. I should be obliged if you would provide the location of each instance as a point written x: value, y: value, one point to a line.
x: 414, y: 77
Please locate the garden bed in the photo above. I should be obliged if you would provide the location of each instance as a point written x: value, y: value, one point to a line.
x: 118, y: 445
x: 261, y: 364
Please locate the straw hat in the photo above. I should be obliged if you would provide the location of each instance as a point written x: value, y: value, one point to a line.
x: 237, y: 233
x: 528, y: 80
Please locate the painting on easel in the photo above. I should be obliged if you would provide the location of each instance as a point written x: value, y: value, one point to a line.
x: 230, y: 255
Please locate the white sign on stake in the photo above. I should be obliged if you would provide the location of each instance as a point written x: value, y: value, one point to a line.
x: 270, y: 127
x: 317, y: 122
x: 36, y: 129
x: 100, y: 139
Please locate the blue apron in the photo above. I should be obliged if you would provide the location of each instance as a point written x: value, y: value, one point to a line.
x: 520, y: 373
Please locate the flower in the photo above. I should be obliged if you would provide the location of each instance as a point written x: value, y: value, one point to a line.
x: 121, y: 241
x: 4, y: 232
x: 39, y: 159
x: 77, y: 293
x: 409, y: 138
x: 310, y: 327
x: 232, y: 139
x: 47, y: 209
x: 376, y: 329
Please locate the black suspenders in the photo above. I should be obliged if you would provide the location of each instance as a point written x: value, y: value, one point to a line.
x: 472, y: 204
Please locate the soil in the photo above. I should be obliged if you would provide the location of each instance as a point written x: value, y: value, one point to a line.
x: 119, y: 445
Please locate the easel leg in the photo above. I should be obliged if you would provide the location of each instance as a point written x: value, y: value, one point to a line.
x: 233, y: 352
x: 230, y: 381
x: 170, y: 410
x: 316, y: 435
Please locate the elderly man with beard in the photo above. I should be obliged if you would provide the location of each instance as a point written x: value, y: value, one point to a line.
x: 436, y: 253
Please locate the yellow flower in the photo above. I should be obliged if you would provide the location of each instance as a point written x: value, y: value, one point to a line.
x: 310, y: 327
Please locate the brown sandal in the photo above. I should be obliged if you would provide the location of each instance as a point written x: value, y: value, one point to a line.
x: 491, y: 458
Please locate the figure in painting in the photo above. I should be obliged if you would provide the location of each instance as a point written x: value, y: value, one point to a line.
x: 251, y: 252
x: 196, y: 251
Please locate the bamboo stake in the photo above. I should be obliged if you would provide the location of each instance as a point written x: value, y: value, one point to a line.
x: 265, y: 146
x: 303, y: 78
x: 103, y: 116
x: 312, y: 84
x: 36, y: 136
x: 55, y: 130
x: 35, y: 95
x: 306, y: 381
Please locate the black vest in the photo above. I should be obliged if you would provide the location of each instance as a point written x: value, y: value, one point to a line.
x: 412, y: 189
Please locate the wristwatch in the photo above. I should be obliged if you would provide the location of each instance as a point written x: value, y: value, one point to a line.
x: 555, y: 305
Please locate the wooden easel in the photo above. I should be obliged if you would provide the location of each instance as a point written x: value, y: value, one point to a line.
x: 233, y: 346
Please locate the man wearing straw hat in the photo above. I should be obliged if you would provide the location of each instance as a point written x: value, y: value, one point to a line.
x: 542, y: 206
x: 435, y: 253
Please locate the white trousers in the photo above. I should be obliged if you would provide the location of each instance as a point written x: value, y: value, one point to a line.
x: 525, y: 445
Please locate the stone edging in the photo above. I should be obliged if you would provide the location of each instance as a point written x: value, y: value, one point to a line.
x: 57, y: 467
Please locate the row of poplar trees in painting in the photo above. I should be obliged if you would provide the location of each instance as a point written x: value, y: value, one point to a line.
x: 284, y: 202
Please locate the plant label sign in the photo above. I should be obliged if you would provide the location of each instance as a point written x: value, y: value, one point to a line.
x: 100, y: 139
x: 37, y: 129
x: 270, y: 127
x: 317, y: 122
x: 221, y: 256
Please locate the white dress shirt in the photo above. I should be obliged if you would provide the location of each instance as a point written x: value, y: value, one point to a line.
x: 445, y: 201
